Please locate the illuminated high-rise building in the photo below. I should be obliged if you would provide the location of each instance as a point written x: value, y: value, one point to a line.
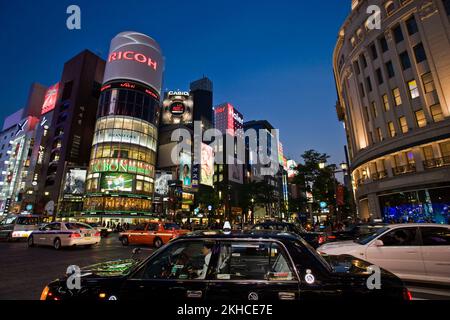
x: 121, y: 173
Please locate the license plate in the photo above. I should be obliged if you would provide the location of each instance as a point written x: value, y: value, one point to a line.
x: 87, y: 238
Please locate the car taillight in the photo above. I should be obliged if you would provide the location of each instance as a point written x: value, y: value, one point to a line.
x: 331, y: 237
x: 407, y: 296
x: 322, y: 239
x: 97, y: 234
x: 75, y: 235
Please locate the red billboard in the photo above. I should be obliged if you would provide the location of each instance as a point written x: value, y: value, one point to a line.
x: 50, y: 99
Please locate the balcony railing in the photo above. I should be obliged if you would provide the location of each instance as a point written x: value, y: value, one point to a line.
x: 436, y: 163
x: 409, y: 168
x: 379, y: 175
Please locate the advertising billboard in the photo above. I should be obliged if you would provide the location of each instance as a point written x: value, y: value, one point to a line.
x: 50, y: 99
x: 162, y: 183
x: 236, y: 173
x: 207, y: 165
x: 122, y: 182
x: 75, y: 182
x: 135, y: 56
x: 178, y: 108
x: 292, y: 168
x: 185, y: 169
x: 122, y: 165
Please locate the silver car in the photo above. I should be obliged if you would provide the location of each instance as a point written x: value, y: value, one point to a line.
x: 65, y: 234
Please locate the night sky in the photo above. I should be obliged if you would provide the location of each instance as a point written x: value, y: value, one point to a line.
x: 271, y: 59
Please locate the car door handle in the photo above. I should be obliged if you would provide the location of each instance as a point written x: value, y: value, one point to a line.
x: 194, y: 294
x: 287, y: 296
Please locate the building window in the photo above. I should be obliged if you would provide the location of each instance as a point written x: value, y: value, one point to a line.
x: 436, y: 113
x: 419, y: 53
x: 386, y: 102
x: 428, y: 82
x: 445, y: 149
x: 356, y: 66
x: 379, y: 76
x: 363, y: 61
x: 413, y: 89
x: 428, y: 153
x: 389, y: 7
x: 369, y: 84
x: 403, y: 124
x: 405, y: 61
x: 391, y: 129
x: 383, y: 44
x: 447, y: 6
x: 374, y: 108
x: 390, y: 69
x: 398, y: 34
x: 397, y: 96
x: 420, y: 118
x: 411, y: 25
x: 366, y: 113
x: 380, y: 134
x: 361, y: 90
x: 373, y: 51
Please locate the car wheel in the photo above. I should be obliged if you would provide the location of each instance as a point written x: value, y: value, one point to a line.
x: 30, y: 242
x: 124, y: 241
x: 57, y: 244
x: 157, y: 243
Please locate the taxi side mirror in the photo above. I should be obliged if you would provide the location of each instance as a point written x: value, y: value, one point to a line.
x: 378, y: 243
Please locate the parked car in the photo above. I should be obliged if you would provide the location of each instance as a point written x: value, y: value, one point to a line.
x: 263, y: 266
x: 415, y: 252
x: 315, y: 239
x: 65, y: 234
x: 154, y: 233
x: 104, y: 231
x: 355, y: 232
x: 17, y: 227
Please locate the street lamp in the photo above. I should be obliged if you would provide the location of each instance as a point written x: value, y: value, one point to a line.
x: 344, y: 166
x: 322, y: 165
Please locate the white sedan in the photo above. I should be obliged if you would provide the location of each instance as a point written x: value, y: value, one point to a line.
x: 65, y: 234
x: 415, y: 252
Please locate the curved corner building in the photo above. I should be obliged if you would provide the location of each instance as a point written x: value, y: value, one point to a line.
x: 393, y: 85
x: 122, y: 168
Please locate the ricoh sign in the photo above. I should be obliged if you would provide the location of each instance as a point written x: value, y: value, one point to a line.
x: 135, y: 56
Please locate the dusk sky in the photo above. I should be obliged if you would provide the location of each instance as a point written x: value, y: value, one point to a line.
x: 271, y: 59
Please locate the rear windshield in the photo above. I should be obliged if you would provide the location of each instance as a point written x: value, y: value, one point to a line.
x: 170, y: 226
x: 28, y: 221
x: 77, y: 226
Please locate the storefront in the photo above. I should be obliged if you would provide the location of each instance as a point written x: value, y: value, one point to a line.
x: 426, y: 205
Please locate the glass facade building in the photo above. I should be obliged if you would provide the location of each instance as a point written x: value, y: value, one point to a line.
x: 121, y: 174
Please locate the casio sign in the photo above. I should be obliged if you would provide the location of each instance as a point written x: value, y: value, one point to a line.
x: 179, y: 93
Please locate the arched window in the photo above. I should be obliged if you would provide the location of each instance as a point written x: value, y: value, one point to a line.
x: 389, y: 7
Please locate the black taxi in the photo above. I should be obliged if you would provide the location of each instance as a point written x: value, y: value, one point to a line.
x: 216, y: 266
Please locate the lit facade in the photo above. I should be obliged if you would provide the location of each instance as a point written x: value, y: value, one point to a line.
x: 394, y: 99
x: 120, y: 181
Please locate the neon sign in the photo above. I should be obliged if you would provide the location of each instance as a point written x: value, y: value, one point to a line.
x: 133, y: 56
x: 50, y: 99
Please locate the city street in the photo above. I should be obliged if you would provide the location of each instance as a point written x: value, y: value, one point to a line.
x: 25, y: 271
